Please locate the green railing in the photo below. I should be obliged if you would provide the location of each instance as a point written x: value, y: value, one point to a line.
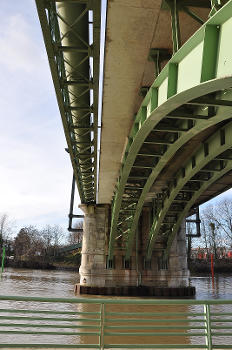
x: 33, y: 322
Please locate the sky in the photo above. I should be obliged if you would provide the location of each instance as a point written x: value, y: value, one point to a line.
x: 35, y: 170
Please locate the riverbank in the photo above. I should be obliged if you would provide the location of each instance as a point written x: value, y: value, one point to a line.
x: 195, y: 266
x: 204, y: 266
x: 40, y: 265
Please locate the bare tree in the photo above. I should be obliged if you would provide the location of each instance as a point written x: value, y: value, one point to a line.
x: 223, y: 218
x: 52, y: 235
x: 57, y: 235
x: 6, y: 228
x: 47, y: 237
x: 213, y: 237
x: 76, y: 236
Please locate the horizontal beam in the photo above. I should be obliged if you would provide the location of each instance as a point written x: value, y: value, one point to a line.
x: 210, y: 102
x: 167, y: 95
x: 201, y: 160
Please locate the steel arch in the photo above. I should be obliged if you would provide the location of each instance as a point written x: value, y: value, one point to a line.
x: 164, y: 100
x: 206, y: 154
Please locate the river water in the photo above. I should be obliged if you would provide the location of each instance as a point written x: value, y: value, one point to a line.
x: 43, y: 283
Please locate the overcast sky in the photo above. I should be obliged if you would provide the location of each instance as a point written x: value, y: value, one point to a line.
x: 35, y: 171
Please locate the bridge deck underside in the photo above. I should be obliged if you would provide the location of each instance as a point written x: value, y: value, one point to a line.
x: 178, y: 151
x: 133, y: 28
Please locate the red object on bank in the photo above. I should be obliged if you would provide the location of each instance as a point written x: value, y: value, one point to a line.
x: 212, y: 266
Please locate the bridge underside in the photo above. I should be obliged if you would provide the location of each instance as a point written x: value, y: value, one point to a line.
x: 177, y: 154
x: 166, y: 143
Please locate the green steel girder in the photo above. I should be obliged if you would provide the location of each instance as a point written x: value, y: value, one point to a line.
x: 190, y: 203
x: 170, y: 94
x: 65, y: 26
x: 70, y: 248
x: 184, y: 137
x: 201, y: 158
x: 176, y: 39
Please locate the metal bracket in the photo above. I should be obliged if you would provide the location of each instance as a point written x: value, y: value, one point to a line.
x: 197, y: 221
x: 143, y: 91
x: 215, y: 6
x: 158, y: 56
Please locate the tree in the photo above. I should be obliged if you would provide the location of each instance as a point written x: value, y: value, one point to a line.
x: 57, y: 235
x: 76, y: 236
x: 224, y: 217
x: 6, y: 228
x: 28, y: 243
x: 22, y: 243
x: 204, y: 232
x: 212, y: 235
x: 52, y: 236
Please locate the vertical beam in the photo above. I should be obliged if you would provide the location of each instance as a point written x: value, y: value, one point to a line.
x: 210, y: 50
x: 71, y: 203
x: 172, y: 79
x: 215, y: 6
x: 208, y: 335
x: 176, y: 40
x: 153, y: 102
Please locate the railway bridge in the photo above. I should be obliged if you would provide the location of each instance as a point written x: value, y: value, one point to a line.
x: 163, y: 142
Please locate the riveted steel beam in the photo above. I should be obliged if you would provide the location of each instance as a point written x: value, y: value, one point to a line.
x: 167, y: 95
x: 176, y: 40
x: 187, y: 208
x: 210, y: 102
x: 66, y: 27
x: 201, y: 160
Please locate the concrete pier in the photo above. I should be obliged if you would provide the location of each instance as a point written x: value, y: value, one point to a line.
x: 157, y: 277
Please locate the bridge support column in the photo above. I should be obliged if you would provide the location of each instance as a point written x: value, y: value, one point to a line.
x: 178, y: 267
x: 93, y: 261
x: 170, y: 273
x: 133, y: 277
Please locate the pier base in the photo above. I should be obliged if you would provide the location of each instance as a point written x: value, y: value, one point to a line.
x: 140, y: 291
x: 137, y: 277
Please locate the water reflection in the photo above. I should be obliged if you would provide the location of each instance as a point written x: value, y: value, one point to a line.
x: 134, y: 323
x: 60, y: 284
x: 38, y: 282
x: 220, y: 289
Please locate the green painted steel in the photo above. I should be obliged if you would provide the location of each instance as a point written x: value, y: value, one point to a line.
x: 187, y: 319
x: 175, y: 110
x: 70, y: 248
x: 215, y: 148
x: 174, y: 8
x: 71, y: 31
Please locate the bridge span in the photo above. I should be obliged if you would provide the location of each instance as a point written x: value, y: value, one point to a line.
x: 166, y: 127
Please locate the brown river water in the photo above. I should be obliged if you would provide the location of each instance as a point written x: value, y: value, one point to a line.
x: 43, y: 283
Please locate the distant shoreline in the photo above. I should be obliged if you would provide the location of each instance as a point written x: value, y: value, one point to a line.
x: 38, y: 265
x: 204, y: 266
x: 195, y: 266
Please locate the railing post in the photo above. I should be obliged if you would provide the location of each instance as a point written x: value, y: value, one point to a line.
x: 3, y: 259
x: 102, y: 331
x: 208, y: 336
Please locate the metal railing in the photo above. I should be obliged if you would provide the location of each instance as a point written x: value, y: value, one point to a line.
x: 33, y: 322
